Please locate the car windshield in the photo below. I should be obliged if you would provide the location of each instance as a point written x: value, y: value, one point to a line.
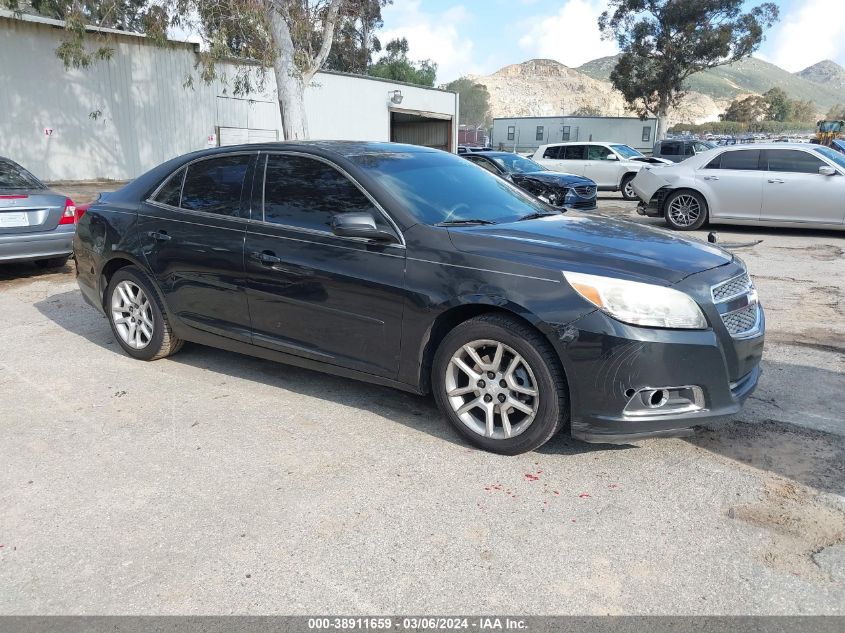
x: 514, y: 163
x: 626, y: 152
x: 440, y: 187
x: 13, y: 176
x: 832, y: 155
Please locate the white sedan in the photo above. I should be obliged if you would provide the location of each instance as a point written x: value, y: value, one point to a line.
x: 772, y: 184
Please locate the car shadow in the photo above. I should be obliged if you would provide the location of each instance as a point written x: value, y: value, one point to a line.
x: 69, y: 311
x: 20, y: 271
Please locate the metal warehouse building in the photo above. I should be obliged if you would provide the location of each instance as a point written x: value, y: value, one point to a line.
x: 524, y: 134
x: 121, y: 117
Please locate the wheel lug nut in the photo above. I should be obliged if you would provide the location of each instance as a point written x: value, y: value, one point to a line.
x: 502, y: 397
x: 488, y: 398
x: 503, y: 384
x: 491, y: 375
x: 481, y: 384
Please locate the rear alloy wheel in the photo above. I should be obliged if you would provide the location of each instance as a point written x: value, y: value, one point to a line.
x: 628, y: 192
x: 136, y: 316
x: 685, y: 210
x: 500, y: 385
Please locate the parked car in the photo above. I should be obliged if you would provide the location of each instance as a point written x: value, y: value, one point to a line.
x: 469, y: 149
x: 554, y: 188
x: 676, y: 150
x: 36, y: 223
x: 410, y: 267
x: 771, y: 184
x: 612, y: 166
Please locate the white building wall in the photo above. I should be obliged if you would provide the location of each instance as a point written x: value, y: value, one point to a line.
x: 144, y: 114
x: 627, y: 130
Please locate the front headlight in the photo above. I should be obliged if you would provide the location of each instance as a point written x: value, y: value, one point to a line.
x: 637, y: 303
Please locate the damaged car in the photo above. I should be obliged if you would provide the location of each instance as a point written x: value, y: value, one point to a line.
x: 409, y: 267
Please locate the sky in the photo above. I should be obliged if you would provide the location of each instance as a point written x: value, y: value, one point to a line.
x: 481, y: 36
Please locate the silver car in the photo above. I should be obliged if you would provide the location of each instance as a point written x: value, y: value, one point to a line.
x: 772, y: 184
x: 36, y: 224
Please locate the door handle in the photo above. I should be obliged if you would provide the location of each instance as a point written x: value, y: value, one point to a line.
x: 159, y: 236
x: 776, y: 180
x: 711, y: 178
x: 266, y: 257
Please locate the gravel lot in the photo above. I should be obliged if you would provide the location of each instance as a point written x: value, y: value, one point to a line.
x: 214, y: 483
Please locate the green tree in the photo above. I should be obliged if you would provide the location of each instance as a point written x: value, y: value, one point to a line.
x: 663, y: 42
x: 474, y: 102
x: 804, y: 111
x: 291, y: 38
x: 587, y: 110
x: 356, y: 41
x: 747, y: 110
x: 836, y: 113
x: 395, y: 65
x: 780, y: 106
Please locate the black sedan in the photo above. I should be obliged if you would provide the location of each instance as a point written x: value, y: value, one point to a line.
x: 555, y: 188
x: 409, y: 267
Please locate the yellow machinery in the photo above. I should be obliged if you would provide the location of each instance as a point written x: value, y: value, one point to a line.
x: 828, y: 131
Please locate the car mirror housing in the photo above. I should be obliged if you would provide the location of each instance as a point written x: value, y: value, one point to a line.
x: 359, y: 224
x: 612, y: 157
x: 827, y: 171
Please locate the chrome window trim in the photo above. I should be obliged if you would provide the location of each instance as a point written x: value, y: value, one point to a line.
x: 345, y: 174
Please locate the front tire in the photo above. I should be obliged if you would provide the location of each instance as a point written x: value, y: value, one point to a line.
x: 137, y: 316
x: 500, y: 385
x: 627, y: 190
x: 685, y: 210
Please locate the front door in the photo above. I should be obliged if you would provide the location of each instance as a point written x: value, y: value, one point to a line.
x: 795, y: 191
x: 192, y: 234
x: 733, y: 184
x: 600, y: 168
x: 314, y: 294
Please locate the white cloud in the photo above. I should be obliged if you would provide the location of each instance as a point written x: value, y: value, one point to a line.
x: 435, y: 36
x: 810, y: 32
x: 570, y: 36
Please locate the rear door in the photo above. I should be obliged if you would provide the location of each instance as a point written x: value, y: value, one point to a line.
x: 795, y: 191
x: 315, y: 294
x: 192, y: 233
x: 732, y: 183
x: 571, y: 159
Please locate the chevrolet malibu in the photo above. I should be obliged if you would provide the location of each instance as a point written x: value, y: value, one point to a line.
x: 410, y: 267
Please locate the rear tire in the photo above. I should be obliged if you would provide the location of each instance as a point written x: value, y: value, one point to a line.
x: 685, y: 210
x: 53, y: 262
x: 626, y: 189
x: 490, y: 404
x: 137, y: 316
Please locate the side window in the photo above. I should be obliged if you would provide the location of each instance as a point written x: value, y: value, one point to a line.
x: 688, y: 149
x: 576, y: 152
x: 743, y: 160
x: 565, y: 133
x: 793, y: 160
x: 597, y: 152
x: 307, y: 193
x: 486, y: 164
x: 670, y: 148
x: 646, y: 133
x: 215, y: 185
x: 540, y: 133
x: 511, y: 132
x: 700, y: 147
x: 553, y: 151
x: 171, y: 192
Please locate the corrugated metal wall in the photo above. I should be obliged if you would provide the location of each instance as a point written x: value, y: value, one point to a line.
x: 119, y: 118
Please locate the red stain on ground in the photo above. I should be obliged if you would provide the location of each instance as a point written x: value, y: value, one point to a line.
x: 612, y: 486
x: 531, y: 477
x: 584, y: 495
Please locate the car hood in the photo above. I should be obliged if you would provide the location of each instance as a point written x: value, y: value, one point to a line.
x: 557, y: 178
x: 593, y: 244
x: 651, y: 160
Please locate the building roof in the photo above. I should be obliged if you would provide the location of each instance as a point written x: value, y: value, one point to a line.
x: 570, y: 116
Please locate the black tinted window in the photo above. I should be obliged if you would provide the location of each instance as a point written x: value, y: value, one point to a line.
x: 576, y: 152
x: 306, y: 193
x: 13, y: 176
x: 747, y: 159
x: 552, y: 152
x: 172, y: 190
x: 793, y: 160
x: 486, y: 164
x: 215, y: 185
x: 670, y: 149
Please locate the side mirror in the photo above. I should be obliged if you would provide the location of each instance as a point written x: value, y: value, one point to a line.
x: 827, y: 171
x: 359, y: 224
x: 611, y: 157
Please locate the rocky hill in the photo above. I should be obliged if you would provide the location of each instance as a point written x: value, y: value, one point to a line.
x: 544, y: 87
x: 827, y: 73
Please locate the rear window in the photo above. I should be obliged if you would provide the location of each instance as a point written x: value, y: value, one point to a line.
x: 672, y: 148
x: 215, y: 185
x: 13, y: 176
x: 552, y: 152
x: 742, y: 160
x: 575, y: 152
x: 171, y: 192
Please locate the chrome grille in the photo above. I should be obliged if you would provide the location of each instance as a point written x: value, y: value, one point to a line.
x: 731, y: 288
x: 741, y: 321
x: 585, y: 191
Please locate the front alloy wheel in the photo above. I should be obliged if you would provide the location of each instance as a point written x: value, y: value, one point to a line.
x: 500, y: 384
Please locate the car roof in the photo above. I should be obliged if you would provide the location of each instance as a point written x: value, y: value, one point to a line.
x: 584, y: 143
x: 346, y: 149
x: 490, y: 154
x: 733, y: 148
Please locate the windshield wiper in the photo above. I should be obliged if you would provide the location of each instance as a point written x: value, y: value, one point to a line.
x: 534, y: 216
x: 463, y: 222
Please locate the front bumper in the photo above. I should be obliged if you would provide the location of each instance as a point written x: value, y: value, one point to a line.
x: 33, y: 246
x: 609, y: 364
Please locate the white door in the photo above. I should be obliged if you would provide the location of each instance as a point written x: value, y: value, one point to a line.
x: 795, y: 191
x: 733, y: 184
x: 601, y: 168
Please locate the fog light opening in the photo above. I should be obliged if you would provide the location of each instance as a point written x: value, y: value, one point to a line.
x: 656, y: 398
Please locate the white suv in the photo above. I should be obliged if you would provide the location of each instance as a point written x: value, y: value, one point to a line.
x: 611, y: 165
